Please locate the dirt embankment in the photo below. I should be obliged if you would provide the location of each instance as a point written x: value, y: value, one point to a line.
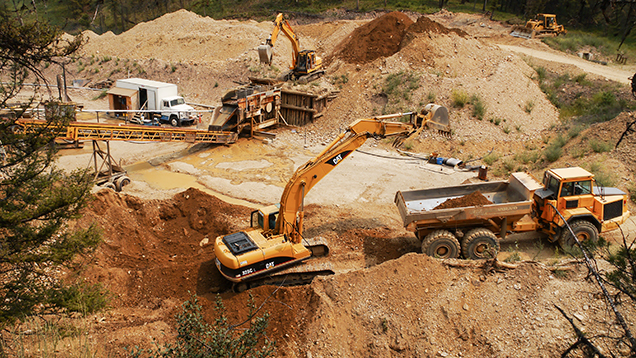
x: 387, y: 301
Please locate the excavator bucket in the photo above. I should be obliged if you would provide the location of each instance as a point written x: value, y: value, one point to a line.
x: 265, y: 54
x: 439, y: 118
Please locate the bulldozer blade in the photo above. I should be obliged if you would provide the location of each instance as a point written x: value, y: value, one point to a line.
x: 265, y: 54
x: 522, y: 32
x: 439, y: 118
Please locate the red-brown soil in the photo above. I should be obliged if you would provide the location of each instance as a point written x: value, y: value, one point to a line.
x: 475, y: 198
x: 378, y: 38
x: 426, y: 25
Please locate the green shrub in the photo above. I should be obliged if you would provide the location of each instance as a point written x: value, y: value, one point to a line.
x: 632, y: 192
x: 459, y: 98
x: 574, y: 131
x: 528, y: 156
x: 479, y: 108
x: 541, y: 73
x: 560, y: 141
x: 529, y: 106
x: 399, y: 86
x: 553, y: 153
x: 599, y: 146
x: 431, y: 97
x: 604, y: 99
x: 101, y: 95
x: 580, y: 79
x: 601, y: 175
x: 490, y: 158
x: 197, y: 339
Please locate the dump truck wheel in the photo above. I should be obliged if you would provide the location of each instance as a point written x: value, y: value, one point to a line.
x: 441, y: 244
x: 480, y: 244
x: 584, y: 231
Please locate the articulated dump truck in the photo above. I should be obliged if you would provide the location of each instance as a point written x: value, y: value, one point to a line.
x: 473, y: 228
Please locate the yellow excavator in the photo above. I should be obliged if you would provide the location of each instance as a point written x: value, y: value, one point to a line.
x: 263, y: 253
x: 306, y: 66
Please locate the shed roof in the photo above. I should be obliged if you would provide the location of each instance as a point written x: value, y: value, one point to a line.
x: 122, y: 91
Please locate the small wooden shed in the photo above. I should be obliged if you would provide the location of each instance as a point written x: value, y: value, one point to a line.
x: 122, y: 99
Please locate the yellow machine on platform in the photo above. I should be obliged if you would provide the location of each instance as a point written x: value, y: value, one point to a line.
x: 306, y: 65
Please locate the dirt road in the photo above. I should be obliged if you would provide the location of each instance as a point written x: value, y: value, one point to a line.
x: 612, y: 73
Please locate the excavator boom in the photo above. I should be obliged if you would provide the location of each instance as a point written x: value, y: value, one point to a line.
x: 275, y: 239
x: 280, y: 24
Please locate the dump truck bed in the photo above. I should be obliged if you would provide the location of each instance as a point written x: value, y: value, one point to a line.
x: 511, y: 199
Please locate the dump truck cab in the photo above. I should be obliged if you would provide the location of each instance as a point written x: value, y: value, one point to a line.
x: 583, y: 204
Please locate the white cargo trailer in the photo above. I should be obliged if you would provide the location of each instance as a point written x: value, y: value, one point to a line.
x: 159, y: 97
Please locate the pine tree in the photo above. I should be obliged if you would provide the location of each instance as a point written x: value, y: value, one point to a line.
x: 37, y: 200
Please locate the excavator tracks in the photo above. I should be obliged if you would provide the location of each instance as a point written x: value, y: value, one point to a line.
x: 295, y: 275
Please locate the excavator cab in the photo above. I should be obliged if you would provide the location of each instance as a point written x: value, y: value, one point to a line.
x: 265, y: 218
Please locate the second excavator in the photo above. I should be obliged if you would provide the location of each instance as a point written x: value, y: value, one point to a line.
x: 265, y: 252
x: 306, y: 65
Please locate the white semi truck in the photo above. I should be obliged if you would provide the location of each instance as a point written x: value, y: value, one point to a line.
x: 160, y: 97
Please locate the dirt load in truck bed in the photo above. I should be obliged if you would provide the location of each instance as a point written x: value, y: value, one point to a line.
x: 473, y: 199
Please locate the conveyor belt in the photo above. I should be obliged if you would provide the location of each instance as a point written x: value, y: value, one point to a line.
x: 77, y: 131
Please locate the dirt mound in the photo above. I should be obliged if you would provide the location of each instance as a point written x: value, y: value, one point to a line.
x: 151, y: 249
x: 416, y: 306
x: 378, y: 38
x: 473, y: 199
x: 426, y: 25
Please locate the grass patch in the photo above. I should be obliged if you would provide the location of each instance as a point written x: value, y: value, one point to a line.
x: 399, y: 88
x: 575, y: 40
x: 101, y: 95
x: 514, y: 254
x: 431, y: 97
x: 479, y: 108
x: 632, y: 192
x: 554, y: 151
x: 528, y: 156
x: 599, y: 146
x: 490, y: 158
x: 529, y: 106
x: 574, y: 131
x: 602, y: 176
x: 459, y: 98
x: 581, y: 99
x: 339, y: 80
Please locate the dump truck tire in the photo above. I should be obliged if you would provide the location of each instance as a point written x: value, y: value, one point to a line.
x: 479, y: 244
x: 584, y: 231
x: 441, y: 244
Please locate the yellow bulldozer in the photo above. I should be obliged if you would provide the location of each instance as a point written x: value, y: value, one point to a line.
x: 542, y: 24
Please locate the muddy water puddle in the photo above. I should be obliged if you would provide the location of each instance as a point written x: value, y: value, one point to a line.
x: 161, y: 178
